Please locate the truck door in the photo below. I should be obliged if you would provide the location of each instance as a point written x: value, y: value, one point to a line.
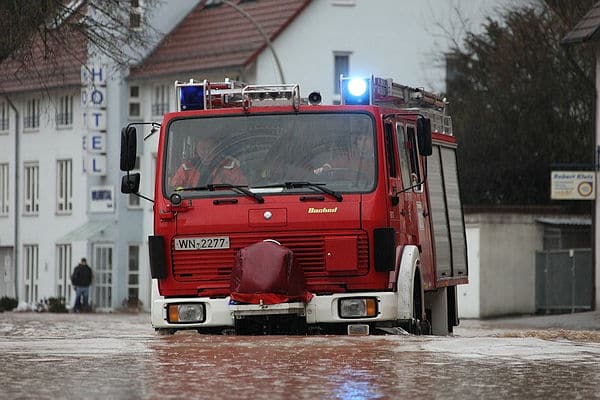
x: 414, y: 198
x: 395, y: 183
x: 410, y: 174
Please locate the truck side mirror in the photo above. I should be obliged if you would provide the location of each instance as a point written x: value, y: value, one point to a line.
x: 130, y: 183
x: 424, y: 136
x: 128, y: 148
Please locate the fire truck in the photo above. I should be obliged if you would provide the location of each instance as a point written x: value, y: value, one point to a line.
x: 304, y: 218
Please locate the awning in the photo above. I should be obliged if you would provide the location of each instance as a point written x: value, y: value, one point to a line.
x: 578, y: 221
x: 87, y: 231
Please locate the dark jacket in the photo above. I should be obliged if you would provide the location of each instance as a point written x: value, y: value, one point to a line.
x: 82, y: 275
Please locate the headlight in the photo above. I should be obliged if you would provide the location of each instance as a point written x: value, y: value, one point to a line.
x: 185, y: 313
x: 358, y: 307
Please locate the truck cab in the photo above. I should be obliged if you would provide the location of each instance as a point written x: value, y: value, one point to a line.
x: 277, y: 214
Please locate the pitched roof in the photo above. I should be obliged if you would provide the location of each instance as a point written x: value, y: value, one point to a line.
x: 586, y: 29
x: 48, y: 64
x: 219, y: 36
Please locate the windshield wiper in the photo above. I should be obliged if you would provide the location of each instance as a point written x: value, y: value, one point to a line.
x: 212, y: 187
x: 318, y: 187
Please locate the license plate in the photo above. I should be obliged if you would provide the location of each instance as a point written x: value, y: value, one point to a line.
x: 202, y: 243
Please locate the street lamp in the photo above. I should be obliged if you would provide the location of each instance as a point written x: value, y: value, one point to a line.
x: 259, y: 29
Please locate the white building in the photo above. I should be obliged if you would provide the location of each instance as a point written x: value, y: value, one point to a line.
x: 66, y: 150
x: 59, y: 175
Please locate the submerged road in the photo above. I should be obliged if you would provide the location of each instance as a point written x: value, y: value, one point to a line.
x: 119, y: 356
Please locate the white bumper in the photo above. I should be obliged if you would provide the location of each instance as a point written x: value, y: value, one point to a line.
x: 320, y: 309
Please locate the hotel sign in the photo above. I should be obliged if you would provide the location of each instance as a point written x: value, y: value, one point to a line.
x: 102, y: 199
x: 93, y: 105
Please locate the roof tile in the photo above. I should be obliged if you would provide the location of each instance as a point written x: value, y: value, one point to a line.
x: 218, y: 36
x: 48, y: 65
x: 586, y: 29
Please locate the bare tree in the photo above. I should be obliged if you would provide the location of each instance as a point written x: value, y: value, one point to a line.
x: 39, y: 39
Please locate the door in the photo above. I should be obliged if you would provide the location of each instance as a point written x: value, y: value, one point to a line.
x: 102, y: 280
x: 411, y: 176
x: 64, y: 266
x: 396, y: 206
x: 414, y: 198
x: 7, y: 283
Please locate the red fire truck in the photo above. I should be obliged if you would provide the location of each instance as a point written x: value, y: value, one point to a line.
x: 274, y: 213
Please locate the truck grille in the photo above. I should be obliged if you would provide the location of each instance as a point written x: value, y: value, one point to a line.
x: 309, y: 250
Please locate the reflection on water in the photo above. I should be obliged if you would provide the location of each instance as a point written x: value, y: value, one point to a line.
x: 374, y: 368
x: 120, y: 357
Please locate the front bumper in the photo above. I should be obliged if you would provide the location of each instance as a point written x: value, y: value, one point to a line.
x: 219, y: 312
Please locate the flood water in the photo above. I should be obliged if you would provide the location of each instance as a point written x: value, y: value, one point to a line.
x: 118, y: 356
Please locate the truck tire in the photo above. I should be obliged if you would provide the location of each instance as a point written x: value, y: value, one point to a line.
x: 418, y: 324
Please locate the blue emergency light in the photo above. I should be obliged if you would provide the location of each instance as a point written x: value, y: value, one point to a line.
x: 191, y: 97
x: 355, y: 91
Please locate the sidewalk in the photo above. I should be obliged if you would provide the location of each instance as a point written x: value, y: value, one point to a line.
x: 577, y: 322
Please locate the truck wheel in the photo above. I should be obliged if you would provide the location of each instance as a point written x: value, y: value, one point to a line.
x: 417, y: 325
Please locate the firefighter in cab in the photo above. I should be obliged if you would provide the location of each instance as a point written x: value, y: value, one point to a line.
x: 208, y: 166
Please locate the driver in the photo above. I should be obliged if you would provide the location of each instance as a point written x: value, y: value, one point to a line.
x: 204, y: 167
x: 358, y: 158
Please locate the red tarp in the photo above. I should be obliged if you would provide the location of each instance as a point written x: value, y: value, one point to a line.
x: 267, y: 272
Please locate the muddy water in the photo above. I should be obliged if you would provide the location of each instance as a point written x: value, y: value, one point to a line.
x: 120, y: 357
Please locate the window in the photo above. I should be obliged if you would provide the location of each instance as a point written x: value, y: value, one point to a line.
x: 134, y: 201
x: 64, y: 266
x: 404, y: 170
x: 135, y: 108
x: 4, y: 117
x: 389, y: 150
x: 32, y: 189
x: 64, y: 186
x: 64, y: 113
x: 31, y: 273
x: 413, y: 152
x: 341, y: 66
x: 133, y: 278
x: 135, y: 14
x: 411, y: 158
x: 4, y: 199
x: 103, y: 265
x: 292, y: 151
x: 160, y: 100
x: 31, y: 119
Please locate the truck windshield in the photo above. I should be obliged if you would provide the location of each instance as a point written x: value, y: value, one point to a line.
x: 263, y: 152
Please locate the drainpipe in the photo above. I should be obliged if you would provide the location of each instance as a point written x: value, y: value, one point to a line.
x: 16, y: 209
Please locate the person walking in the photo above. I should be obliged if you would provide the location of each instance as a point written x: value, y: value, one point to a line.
x: 81, y: 280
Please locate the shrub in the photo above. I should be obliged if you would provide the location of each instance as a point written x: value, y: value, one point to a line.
x: 131, y: 304
x: 8, y: 303
x: 57, y: 305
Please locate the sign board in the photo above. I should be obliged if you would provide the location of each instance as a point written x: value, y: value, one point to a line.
x: 94, y: 74
x: 96, y: 165
x: 93, y: 103
x: 93, y: 96
x: 573, y: 185
x: 95, y: 120
x: 102, y: 199
x: 94, y: 143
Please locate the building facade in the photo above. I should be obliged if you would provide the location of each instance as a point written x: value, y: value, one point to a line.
x: 59, y: 175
